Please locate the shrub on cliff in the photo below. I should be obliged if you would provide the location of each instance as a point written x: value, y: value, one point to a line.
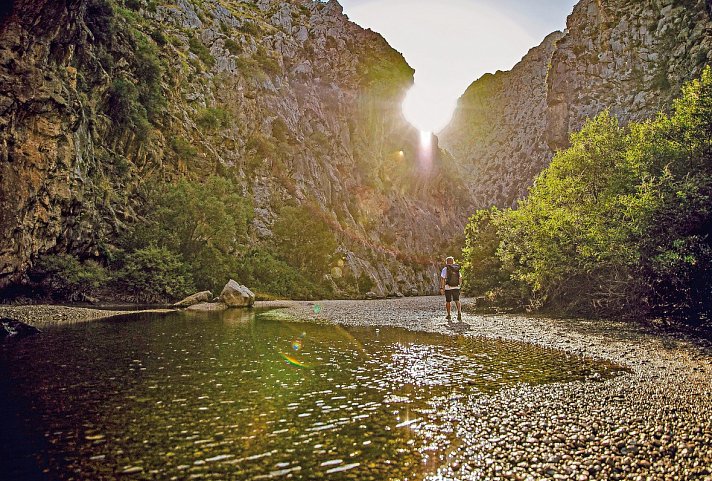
x: 201, y: 51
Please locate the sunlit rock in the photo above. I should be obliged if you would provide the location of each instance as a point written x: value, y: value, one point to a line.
x: 204, y: 296
x: 236, y: 295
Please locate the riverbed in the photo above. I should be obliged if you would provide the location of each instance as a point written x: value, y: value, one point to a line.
x: 584, y: 400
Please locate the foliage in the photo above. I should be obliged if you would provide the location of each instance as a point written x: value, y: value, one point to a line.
x: 124, y: 108
x: 233, y: 47
x: 201, y: 51
x: 364, y: 283
x: 183, y: 148
x: 100, y: 20
x: 148, y: 71
x: 250, y: 27
x: 205, y: 223
x: 268, y: 63
x: 159, y: 37
x: 67, y: 278
x: 304, y: 241
x: 213, y: 118
x: 481, y: 268
x: 619, y: 223
x: 266, y: 273
x: 154, y: 275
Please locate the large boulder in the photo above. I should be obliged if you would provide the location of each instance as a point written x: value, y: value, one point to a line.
x: 236, y: 295
x: 208, y: 307
x: 204, y: 296
x: 11, y: 328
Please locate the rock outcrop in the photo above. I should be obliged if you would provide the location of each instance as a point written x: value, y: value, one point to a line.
x: 290, y: 99
x: 236, y: 295
x: 628, y: 56
x: 196, y: 298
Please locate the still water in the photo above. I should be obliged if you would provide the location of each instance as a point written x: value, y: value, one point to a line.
x: 249, y: 396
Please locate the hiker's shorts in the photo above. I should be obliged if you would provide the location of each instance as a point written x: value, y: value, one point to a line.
x: 452, y: 295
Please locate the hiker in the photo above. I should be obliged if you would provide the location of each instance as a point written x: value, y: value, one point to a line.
x: 450, y: 286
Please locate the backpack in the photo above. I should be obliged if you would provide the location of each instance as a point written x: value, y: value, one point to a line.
x: 452, y: 278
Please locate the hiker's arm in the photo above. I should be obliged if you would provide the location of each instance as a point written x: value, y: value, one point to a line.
x: 442, y: 283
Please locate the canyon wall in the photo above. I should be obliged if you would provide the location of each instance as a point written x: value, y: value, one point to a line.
x: 628, y: 56
x: 290, y: 100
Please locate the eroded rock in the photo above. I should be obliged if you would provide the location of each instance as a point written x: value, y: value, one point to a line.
x: 237, y: 295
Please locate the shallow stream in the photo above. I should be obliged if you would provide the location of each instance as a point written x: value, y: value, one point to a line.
x: 249, y: 395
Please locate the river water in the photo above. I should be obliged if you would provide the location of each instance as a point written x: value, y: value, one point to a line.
x: 248, y: 395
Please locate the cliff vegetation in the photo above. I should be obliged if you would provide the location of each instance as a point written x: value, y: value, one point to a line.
x: 620, y: 223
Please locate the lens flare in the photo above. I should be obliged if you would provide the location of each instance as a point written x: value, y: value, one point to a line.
x: 293, y: 361
x: 425, y: 153
x: 317, y: 309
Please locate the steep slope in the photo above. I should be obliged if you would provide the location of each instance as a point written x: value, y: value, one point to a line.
x: 629, y: 56
x: 289, y: 99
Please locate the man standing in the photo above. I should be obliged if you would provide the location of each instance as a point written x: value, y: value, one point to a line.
x: 450, y: 286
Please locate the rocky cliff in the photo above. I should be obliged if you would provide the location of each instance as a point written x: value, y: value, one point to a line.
x: 289, y: 99
x: 629, y: 56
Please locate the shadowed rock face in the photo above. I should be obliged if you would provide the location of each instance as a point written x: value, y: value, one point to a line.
x: 629, y: 56
x: 314, y: 107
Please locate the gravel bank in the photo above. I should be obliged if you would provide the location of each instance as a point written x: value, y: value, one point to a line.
x: 652, y: 424
x: 45, y: 315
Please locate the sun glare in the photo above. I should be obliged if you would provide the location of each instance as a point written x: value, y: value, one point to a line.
x: 427, y: 110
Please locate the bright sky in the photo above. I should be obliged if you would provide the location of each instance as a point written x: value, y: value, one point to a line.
x: 451, y: 43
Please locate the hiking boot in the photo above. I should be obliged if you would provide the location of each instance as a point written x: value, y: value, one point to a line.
x: 447, y: 317
x: 459, y: 316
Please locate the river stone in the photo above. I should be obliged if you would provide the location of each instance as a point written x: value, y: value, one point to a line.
x: 236, y: 295
x: 204, y: 296
x: 208, y: 307
x: 12, y: 328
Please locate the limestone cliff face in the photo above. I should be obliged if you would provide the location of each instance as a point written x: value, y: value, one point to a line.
x: 290, y: 99
x: 629, y: 56
x: 498, y: 129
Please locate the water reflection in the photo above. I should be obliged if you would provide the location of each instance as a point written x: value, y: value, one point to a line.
x: 229, y: 396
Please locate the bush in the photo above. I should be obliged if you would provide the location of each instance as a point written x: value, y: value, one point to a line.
x: 159, y: 38
x: 64, y: 277
x: 304, y: 241
x: 201, y: 51
x: 183, y: 148
x: 618, y: 224
x: 233, y: 47
x: 269, y: 275
x: 250, y: 28
x: 206, y: 223
x: 154, y: 275
x: 213, y: 118
x: 124, y: 108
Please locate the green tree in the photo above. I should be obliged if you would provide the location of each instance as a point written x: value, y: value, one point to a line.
x: 481, y: 268
x: 205, y: 223
x: 154, y: 275
x: 304, y: 240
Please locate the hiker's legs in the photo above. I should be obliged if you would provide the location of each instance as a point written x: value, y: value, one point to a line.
x: 448, y: 300
x: 459, y: 307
